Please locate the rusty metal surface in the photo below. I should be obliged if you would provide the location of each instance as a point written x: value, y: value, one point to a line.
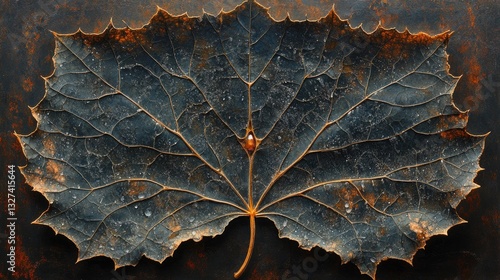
x: 470, y: 251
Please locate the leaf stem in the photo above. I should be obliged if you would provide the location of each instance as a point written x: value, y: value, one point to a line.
x: 243, y: 266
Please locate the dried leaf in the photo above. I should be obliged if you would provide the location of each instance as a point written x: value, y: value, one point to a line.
x: 345, y: 140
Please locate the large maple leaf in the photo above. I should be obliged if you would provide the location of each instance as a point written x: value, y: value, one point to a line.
x: 345, y: 140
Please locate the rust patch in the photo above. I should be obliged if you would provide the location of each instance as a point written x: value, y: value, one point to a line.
x: 28, y: 84
x: 89, y: 40
x: 370, y: 198
x: 348, y: 195
x: 32, y: 42
x: 475, y: 74
x: 49, y: 146
x: 453, y: 134
x: 173, y: 235
x: 98, y: 27
x: 136, y: 188
x: 13, y: 107
x: 123, y: 36
x: 179, y: 22
x: 54, y: 171
x: 464, y: 48
x: 473, y: 78
x: 385, y: 199
x: 445, y: 123
x: 25, y: 267
x: 472, y: 17
x: 394, y: 44
x: 173, y: 225
x: 190, y: 265
x: 269, y: 275
x: 421, y: 229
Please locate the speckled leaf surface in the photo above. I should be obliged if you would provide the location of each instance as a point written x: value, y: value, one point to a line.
x: 345, y: 140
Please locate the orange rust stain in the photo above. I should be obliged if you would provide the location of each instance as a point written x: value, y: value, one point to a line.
x: 464, y: 48
x: 49, y: 146
x: 136, y: 188
x: 348, y: 197
x: 190, y: 264
x: 384, y: 198
x: 472, y: 17
x: 14, y: 107
x: 182, y: 22
x: 32, y: 41
x: 394, y: 44
x: 339, y: 204
x: 173, y: 225
x: 370, y: 198
x: 474, y: 71
x: 420, y: 228
x: 454, y: 133
x: 25, y: 268
x: 202, y: 262
x: 28, y: 84
x: 173, y: 235
x: 91, y: 41
x: 347, y: 69
x: 47, y: 58
x: 198, y: 264
x: 54, y: 171
x: 123, y: 36
x: 270, y: 275
x: 99, y: 26
x: 15, y: 145
x: 32, y: 122
x: 348, y: 194
x: 52, y: 167
x: 445, y: 123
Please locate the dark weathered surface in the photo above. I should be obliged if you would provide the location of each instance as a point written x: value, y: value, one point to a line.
x: 463, y: 255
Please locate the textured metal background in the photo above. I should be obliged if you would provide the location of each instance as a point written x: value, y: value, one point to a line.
x: 470, y: 251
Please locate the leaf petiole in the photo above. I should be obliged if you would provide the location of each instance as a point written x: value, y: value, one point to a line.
x: 243, y: 266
